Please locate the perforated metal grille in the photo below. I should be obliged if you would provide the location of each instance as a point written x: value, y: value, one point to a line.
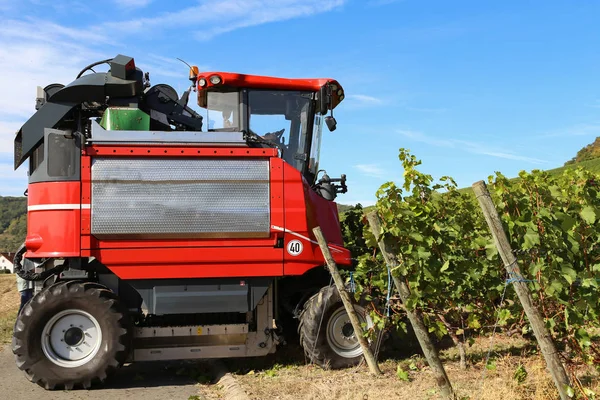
x: 180, y: 198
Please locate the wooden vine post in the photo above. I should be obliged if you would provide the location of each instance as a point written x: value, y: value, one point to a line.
x: 431, y: 354
x: 339, y: 283
x: 561, y: 380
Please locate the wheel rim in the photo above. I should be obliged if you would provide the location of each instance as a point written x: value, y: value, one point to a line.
x: 340, y: 333
x: 71, y: 338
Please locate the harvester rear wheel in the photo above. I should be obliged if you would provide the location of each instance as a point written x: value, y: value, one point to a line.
x: 71, y: 334
x: 326, y: 334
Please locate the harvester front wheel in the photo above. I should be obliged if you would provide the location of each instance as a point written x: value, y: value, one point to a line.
x: 71, y: 334
x: 326, y: 334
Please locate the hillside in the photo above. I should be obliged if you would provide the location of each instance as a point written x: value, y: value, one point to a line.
x: 13, y: 222
x: 592, y: 165
x: 589, y: 152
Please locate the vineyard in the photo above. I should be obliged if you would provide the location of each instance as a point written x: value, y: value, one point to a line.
x: 458, y: 282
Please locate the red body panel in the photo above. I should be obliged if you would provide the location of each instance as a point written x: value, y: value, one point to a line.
x: 53, y: 218
x: 172, y: 151
x: 190, y: 262
x: 295, y: 210
x: 301, y: 205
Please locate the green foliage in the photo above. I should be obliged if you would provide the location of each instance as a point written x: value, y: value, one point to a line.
x: 13, y: 222
x: 272, y: 372
x: 520, y: 374
x: 570, y: 391
x: 402, y: 374
x: 442, y: 246
x: 447, y: 256
x: 553, y: 221
x: 352, y: 230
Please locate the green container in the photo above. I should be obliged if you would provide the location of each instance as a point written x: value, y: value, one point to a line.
x: 125, y: 119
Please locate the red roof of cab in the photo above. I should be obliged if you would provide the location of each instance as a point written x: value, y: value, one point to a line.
x: 267, y: 82
x: 231, y: 79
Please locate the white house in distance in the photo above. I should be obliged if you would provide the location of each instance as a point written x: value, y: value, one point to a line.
x: 6, y: 261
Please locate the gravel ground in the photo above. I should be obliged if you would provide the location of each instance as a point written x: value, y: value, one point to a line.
x: 147, y: 381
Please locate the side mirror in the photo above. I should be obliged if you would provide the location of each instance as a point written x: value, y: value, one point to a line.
x: 323, y: 100
x: 331, y: 123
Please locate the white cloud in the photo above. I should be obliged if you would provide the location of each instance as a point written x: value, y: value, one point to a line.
x: 39, y: 52
x: 49, y: 32
x: 12, y: 183
x: 469, y: 146
x: 478, y: 148
x: 63, y: 7
x: 132, y: 3
x: 36, y: 52
x: 220, y: 16
x: 7, y: 135
x: 420, y: 137
x: 33, y: 53
x: 372, y: 170
x: 365, y: 100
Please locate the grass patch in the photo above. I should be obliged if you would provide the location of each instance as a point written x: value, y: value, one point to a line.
x: 6, y: 327
x: 513, y: 373
x: 9, y: 306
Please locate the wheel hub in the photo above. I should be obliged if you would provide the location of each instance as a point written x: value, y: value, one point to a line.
x: 348, y: 330
x: 340, y: 332
x: 71, y: 338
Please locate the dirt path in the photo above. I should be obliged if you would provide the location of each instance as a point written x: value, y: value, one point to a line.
x: 147, y: 381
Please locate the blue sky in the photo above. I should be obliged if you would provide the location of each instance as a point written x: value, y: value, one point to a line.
x: 470, y: 87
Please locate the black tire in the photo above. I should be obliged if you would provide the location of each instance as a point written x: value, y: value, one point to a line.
x: 316, y: 341
x: 34, y: 353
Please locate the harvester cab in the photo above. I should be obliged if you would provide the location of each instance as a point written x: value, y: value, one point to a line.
x: 273, y: 112
x: 157, y: 230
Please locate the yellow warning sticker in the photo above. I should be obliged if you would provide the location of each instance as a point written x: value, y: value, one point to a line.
x: 199, y: 330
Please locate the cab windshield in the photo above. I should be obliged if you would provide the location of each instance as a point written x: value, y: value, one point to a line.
x: 283, y: 117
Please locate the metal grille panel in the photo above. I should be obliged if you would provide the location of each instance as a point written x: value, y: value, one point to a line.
x: 180, y: 198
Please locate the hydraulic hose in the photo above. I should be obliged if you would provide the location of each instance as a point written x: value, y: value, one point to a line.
x: 31, y: 275
x: 92, y: 66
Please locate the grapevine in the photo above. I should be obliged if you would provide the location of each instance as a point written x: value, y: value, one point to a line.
x: 451, y: 265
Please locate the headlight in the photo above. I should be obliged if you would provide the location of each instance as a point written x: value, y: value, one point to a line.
x: 202, y: 82
x: 215, y: 79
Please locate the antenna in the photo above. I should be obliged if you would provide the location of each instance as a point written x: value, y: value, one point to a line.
x: 184, y: 62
